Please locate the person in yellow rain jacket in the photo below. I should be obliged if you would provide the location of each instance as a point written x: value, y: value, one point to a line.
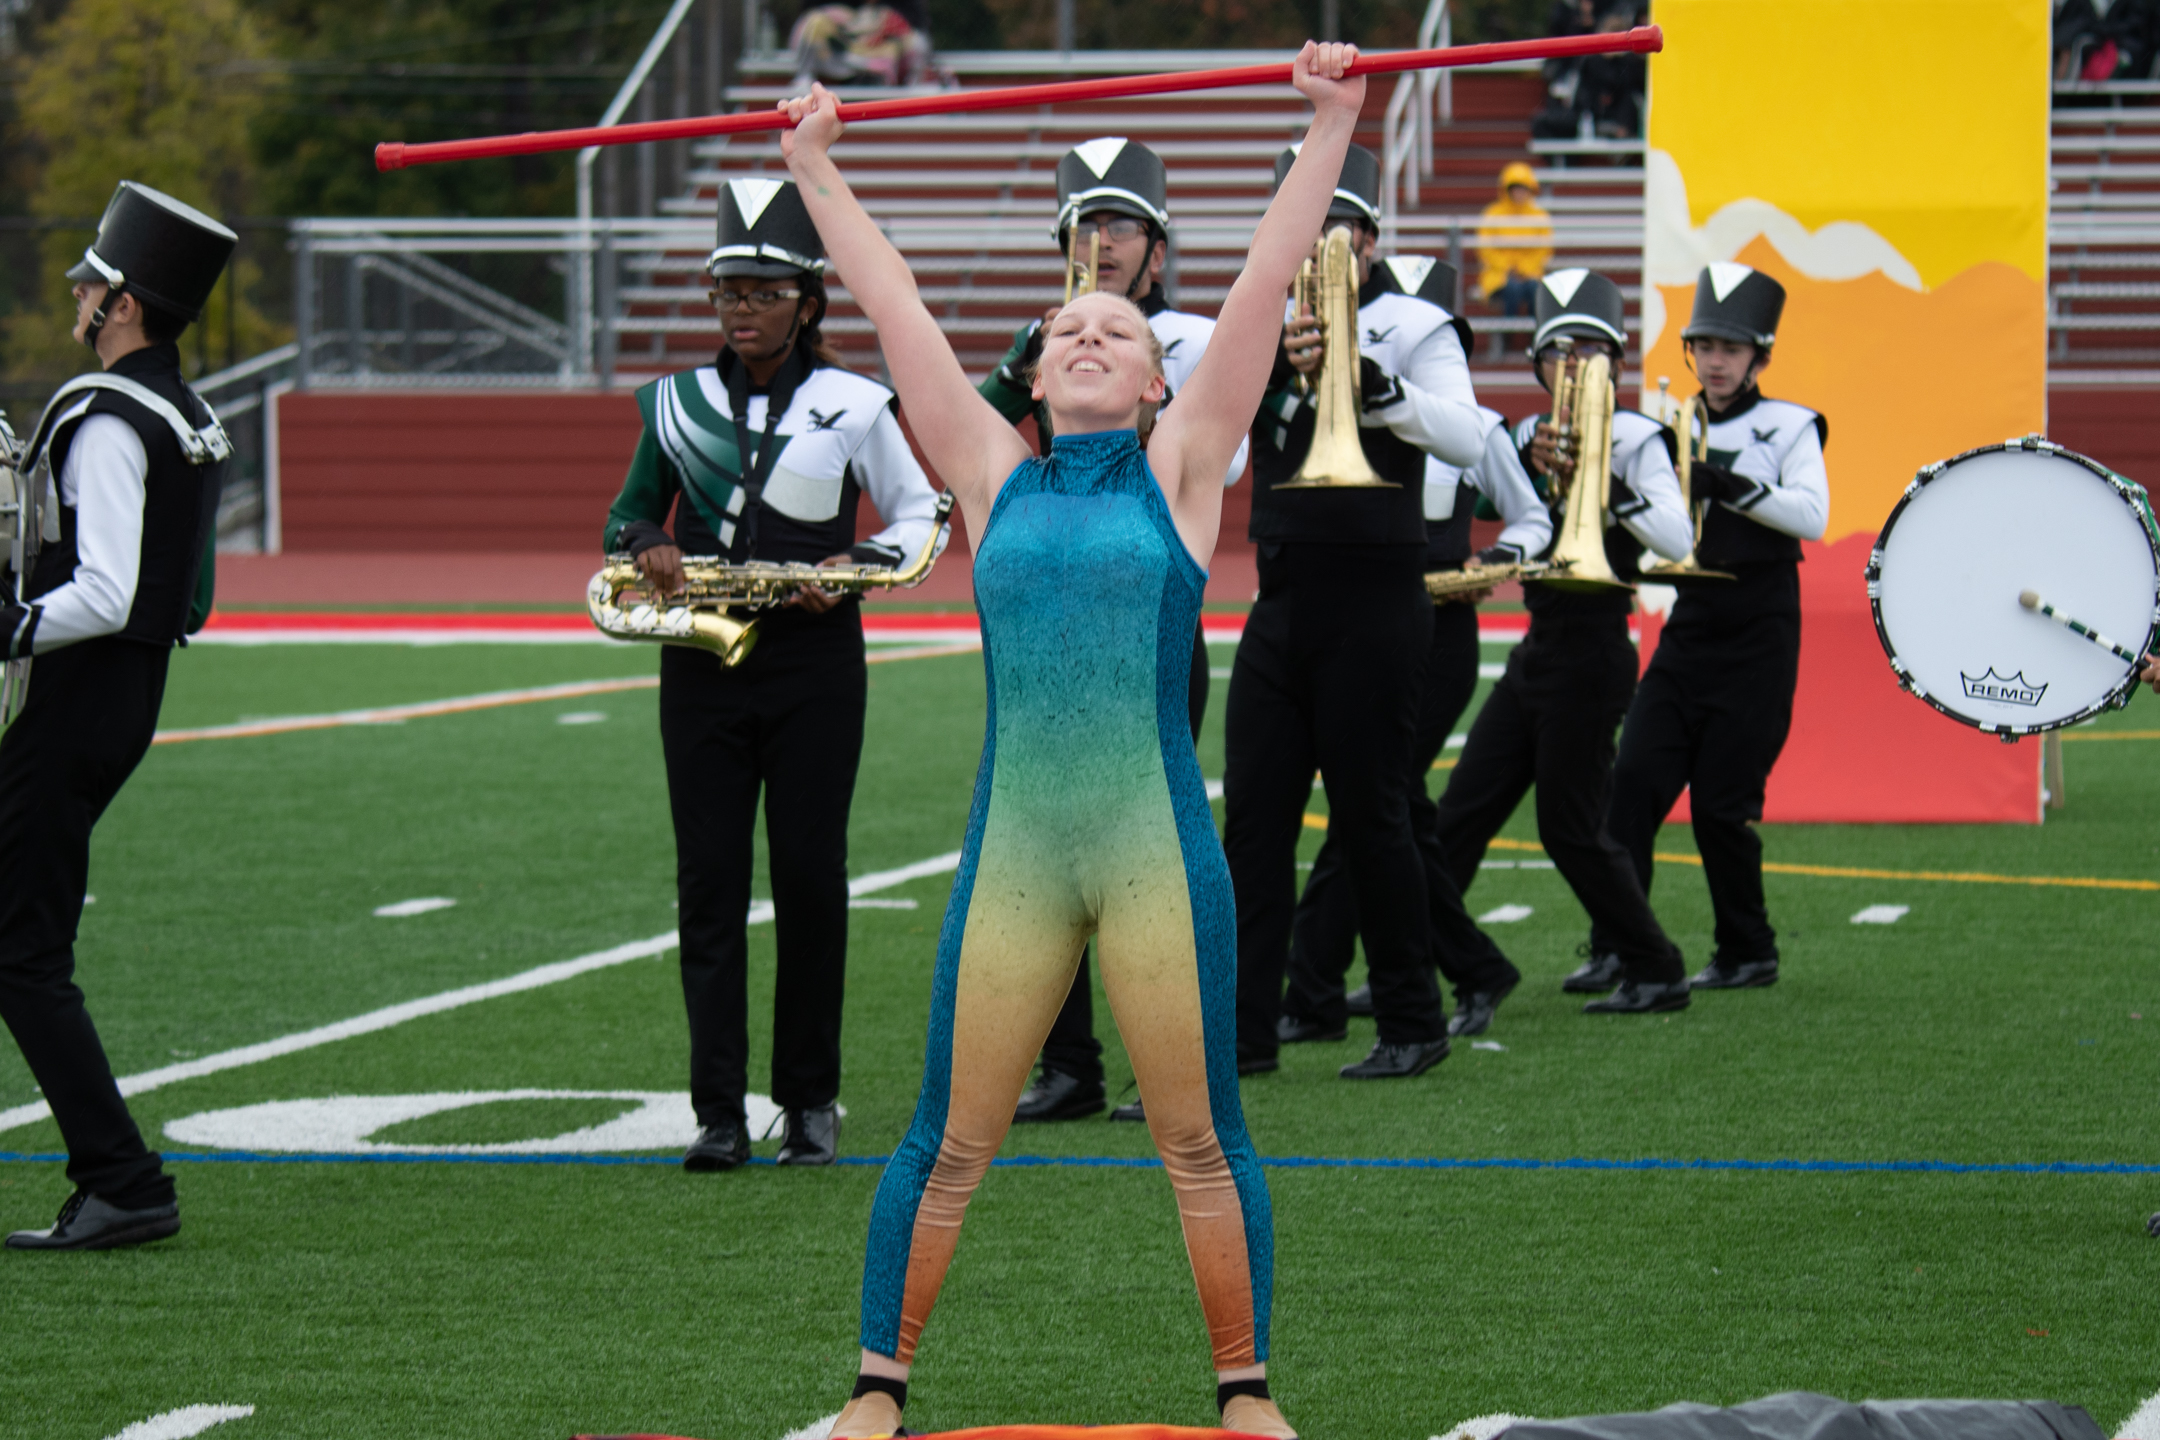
x: 1509, y: 268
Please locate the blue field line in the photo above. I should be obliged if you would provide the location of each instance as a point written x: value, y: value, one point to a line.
x: 1148, y: 1162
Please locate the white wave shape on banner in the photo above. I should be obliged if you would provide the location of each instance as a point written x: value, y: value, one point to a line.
x: 1675, y: 250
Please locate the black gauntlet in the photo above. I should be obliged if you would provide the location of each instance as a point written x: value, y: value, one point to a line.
x: 19, y: 624
x: 638, y: 536
x: 1716, y: 482
x: 1376, y: 388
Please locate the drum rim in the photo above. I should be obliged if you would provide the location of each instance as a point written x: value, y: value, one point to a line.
x: 2128, y: 491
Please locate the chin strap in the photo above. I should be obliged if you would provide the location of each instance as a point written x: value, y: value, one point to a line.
x: 97, y: 321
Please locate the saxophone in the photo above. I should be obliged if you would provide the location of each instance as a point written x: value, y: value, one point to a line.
x: 699, y: 615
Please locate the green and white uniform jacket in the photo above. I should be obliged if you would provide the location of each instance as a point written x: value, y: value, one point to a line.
x: 837, y: 439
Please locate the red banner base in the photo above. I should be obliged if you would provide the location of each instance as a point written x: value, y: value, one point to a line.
x: 1861, y: 750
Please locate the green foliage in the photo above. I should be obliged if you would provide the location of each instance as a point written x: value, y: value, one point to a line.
x: 157, y: 91
x: 433, y: 70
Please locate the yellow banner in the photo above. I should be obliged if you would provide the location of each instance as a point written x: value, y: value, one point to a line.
x: 1887, y: 162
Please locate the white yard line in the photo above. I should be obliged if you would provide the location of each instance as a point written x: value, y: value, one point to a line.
x: 392, y: 714
x: 180, y: 1424
x: 493, y: 699
x: 2143, y: 1424
x: 394, y: 1015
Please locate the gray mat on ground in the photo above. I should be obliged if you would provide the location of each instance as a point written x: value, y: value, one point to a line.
x: 1799, y: 1415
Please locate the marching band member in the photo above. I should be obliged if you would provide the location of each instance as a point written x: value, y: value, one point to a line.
x: 1549, y: 722
x: 137, y: 462
x: 1090, y: 813
x: 765, y: 455
x: 1324, y: 931
x: 1714, y: 706
x: 1332, y: 665
x: 1116, y: 190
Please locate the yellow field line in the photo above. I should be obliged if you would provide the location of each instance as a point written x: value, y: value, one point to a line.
x: 2117, y: 735
x: 1854, y: 872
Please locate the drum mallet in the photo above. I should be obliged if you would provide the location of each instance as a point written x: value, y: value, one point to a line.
x: 2031, y: 600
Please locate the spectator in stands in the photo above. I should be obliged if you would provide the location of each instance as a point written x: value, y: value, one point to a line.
x: 1609, y: 101
x: 880, y: 44
x: 1510, y: 263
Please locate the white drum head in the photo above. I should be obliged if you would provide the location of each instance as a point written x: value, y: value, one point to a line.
x: 1973, y: 533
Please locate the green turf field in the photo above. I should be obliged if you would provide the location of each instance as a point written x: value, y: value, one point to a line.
x: 236, y: 882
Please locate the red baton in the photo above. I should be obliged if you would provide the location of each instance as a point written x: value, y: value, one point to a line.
x: 397, y: 155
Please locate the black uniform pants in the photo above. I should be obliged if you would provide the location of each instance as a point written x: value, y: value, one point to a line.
x: 1323, y: 935
x: 1710, y: 718
x: 1328, y: 676
x: 1550, y: 723
x: 1072, y: 1048
x: 789, y: 720
x: 91, y: 711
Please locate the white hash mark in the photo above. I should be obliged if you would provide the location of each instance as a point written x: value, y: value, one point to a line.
x: 1505, y: 915
x: 1882, y: 915
x: 186, y: 1421
x: 414, y: 907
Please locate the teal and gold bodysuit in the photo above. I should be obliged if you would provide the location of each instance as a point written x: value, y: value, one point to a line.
x: 1090, y: 816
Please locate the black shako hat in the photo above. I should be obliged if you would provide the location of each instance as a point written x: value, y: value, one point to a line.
x: 1111, y: 173
x: 1357, y: 190
x: 1430, y: 280
x: 765, y: 232
x: 157, y: 249
x: 1581, y: 303
x: 1734, y: 302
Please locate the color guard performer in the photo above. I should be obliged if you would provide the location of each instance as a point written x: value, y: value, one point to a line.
x: 1331, y: 668
x: 135, y: 462
x: 764, y: 455
x: 1324, y: 932
x: 1714, y: 706
x: 1112, y: 203
x: 1550, y: 720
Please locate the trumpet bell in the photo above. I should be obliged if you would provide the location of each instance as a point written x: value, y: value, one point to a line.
x: 1336, y: 458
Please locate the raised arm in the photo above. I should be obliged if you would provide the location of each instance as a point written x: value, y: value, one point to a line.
x: 1215, y: 408
x: 969, y: 444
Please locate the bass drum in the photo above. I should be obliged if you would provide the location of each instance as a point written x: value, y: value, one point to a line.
x: 1974, y: 532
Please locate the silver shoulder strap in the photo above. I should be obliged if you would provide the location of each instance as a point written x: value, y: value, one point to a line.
x: 201, y: 447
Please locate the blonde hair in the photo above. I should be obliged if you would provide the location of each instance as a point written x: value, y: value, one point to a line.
x: 1148, y: 408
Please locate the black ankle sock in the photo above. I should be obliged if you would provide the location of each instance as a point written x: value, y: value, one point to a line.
x: 884, y: 1385
x: 1227, y: 1390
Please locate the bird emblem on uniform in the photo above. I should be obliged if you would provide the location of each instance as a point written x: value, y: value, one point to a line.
x: 819, y: 420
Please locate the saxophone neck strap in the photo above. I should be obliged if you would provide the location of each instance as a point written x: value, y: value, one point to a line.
x: 757, y: 464
x: 202, y: 445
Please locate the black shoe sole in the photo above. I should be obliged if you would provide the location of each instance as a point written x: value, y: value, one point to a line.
x: 1348, y: 1072
x: 1133, y: 1112
x: 114, y: 1239
x: 708, y: 1164
x: 1662, y: 1007
x: 1572, y: 986
x: 1713, y: 984
x: 1259, y: 1067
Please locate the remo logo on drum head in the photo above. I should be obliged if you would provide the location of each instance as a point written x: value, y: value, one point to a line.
x: 2015, y: 586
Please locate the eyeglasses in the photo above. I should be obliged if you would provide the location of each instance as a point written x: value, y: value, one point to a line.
x: 757, y: 302
x: 1117, y: 227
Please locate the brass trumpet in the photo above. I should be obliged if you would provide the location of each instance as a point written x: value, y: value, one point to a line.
x: 698, y: 615
x: 1685, y: 571
x: 1336, y: 458
x: 1582, y: 418
x: 1081, y: 279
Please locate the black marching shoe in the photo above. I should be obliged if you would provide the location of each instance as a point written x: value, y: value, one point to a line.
x: 2152, y: 1227
x: 1596, y: 975
x: 1397, y: 1062
x: 1359, y: 1002
x: 1253, y: 1062
x: 1292, y: 1030
x: 89, y: 1223
x: 1641, y: 997
x: 1747, y: 975
x: 1131, y: 1110
x: 1474, y: 1010
x: 718, y: 1147
x: 812, y: 1138
x: 1056, y: 1095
